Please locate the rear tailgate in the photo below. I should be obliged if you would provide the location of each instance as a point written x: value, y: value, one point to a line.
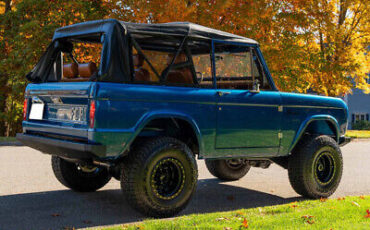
x: 59, y: 110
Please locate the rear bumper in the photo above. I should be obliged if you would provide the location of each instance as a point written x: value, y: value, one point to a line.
x: 343, y: 140
x: 62, y: 148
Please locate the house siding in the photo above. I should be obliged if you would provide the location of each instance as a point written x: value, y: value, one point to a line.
x: 358, y: 103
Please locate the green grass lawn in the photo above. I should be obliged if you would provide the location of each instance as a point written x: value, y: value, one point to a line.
x: 358, y: 133
x: 341, y: 213
x: 7, y: 139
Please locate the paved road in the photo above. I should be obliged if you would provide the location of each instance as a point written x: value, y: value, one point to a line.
x: 31, y: 198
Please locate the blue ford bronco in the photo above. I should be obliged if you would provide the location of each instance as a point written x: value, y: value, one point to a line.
x: 140, y: 102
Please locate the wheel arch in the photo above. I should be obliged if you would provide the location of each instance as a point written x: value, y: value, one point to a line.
x: 317, y: 124
x: 173, y: 116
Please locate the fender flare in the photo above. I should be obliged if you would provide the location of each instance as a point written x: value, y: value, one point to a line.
x: 310, y: 119
x: 148, y: 117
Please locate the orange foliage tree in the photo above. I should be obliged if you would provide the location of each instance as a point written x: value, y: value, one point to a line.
x: 318, y: 44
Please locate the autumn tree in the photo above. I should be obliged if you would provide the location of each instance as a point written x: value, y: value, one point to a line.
x: 318, y: 45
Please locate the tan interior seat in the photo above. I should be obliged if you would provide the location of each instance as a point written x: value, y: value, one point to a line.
x: 70, y: 70
x: 181, y: 75
x: 86, y: 70
x: 141, y: 74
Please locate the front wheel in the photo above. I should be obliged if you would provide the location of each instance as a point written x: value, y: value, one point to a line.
x: 159, y: 177
x: 77, y: 177
x: 228, y: 170
x: 315, y: 167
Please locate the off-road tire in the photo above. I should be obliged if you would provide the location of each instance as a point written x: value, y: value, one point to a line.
x: 222, y: 170
x: 139, y: 170
x: 72, y: 177
x: 304, y: 167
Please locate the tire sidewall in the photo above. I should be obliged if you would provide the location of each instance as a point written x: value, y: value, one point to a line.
x: 221, y: 169
x: 69, y: 175
x: 182, y: 154
x: 232, y: 172
x: 318, y: 188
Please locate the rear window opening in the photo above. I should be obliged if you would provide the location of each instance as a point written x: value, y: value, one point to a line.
x: 82, y: 63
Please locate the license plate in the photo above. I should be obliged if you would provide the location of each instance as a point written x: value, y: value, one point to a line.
x: 37, y: 111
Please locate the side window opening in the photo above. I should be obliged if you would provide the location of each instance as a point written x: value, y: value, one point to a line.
x: 260, y: 73
x: 163, y: 63
x: 82, y: 63
x: 238, y: 67
x: 143, y: 72
x: 203, y: 70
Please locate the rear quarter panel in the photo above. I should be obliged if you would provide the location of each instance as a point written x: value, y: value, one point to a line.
x: 122, y: 110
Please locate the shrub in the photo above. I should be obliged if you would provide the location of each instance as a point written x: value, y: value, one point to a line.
x: 361, y: 125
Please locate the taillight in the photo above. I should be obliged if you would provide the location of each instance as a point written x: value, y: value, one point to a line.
x: 92, y: 113
x: 25, y: 104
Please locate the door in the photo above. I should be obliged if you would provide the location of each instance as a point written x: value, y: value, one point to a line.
x: 248, y: 115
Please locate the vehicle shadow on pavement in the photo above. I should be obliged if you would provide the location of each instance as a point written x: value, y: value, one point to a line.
x: 64, y: 208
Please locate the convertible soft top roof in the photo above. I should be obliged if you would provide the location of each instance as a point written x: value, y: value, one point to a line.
x: 115, y: 63
x: 181, y: 29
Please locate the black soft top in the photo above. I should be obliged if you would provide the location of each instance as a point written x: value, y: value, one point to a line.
x: 183, y: 29
x: 115, y: 65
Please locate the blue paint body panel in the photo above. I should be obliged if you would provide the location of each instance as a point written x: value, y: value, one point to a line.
x: 237, y: 124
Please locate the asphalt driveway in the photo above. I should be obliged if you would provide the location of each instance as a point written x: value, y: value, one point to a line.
x: 31, y: 198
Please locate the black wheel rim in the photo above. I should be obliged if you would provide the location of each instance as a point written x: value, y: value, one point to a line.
x: 234, y: 163
x: 168, y: 178
x: 324, y: 168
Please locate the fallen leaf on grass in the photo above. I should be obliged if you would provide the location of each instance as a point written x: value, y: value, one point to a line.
x: 228, y: 228
x: 244, y: 223
x: 55, y: 214
x: 222, y: 218
x: 308, y: 219
x: 293, y: 204
x: 341, y: 198
x: 323, y: 199
x: 239, y: 213
x: 368, y: 214
x: 362, y: 197
x: 355, y: 203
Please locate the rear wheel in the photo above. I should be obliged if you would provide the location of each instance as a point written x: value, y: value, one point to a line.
x: 228, y: 170
x: 77, y: 177
x: 315, y: 167
x: 159, y: 177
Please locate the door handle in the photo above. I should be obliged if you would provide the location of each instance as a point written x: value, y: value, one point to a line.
x: 220, y: 93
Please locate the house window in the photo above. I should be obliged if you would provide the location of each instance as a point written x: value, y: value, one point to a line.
x: 360, y: 117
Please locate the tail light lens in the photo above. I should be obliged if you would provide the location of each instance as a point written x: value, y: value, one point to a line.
x: 92, y: 114
x: 25, y: 104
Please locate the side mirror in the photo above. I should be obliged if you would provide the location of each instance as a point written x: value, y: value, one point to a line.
x: 256, y: 87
